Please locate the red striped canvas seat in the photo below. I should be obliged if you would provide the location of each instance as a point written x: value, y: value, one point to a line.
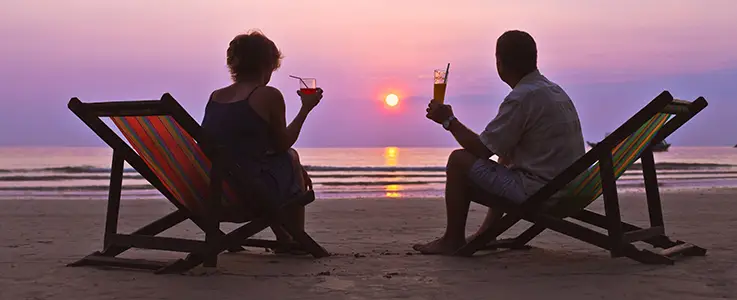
x: 174, y: 156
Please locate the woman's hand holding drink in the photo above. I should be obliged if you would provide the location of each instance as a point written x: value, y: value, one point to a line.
x: 310, y: 98
x: 307, y: 86
x: 308, y: 92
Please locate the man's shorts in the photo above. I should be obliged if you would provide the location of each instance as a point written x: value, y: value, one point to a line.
x: 497, y: 180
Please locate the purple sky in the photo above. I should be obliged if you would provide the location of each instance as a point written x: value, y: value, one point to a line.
x: 611, y: 58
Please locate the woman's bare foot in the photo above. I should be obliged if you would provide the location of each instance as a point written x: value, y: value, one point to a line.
x: 441, y: 246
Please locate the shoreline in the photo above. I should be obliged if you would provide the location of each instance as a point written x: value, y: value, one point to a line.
x: 149, y: 193
x: 626, y: 191
x: 371, y: 242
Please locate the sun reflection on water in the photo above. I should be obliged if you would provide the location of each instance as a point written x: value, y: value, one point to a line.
x: 392, y: 191
x: 391, y: 158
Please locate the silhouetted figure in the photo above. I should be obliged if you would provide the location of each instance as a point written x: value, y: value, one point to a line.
x: 248, y: 117
x: 536, y: 134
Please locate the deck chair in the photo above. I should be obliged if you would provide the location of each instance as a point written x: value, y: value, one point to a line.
x: 567, y: 195
x: 170, y: 150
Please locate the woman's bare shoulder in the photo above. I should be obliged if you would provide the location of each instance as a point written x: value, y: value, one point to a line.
x: 269, y: 96
x: 269, y: 91
x: 224, y: 95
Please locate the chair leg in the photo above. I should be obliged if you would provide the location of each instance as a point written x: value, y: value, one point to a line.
x: 529, y: 234
x: 684, y: 249
x: 151, y: 229
x: 598, y: 239
x: 212, y: 237
x: 307, y: 243
x: 599, y: 220
x: 84, y: 261
x: 645, y: 256
x: 210, y: 261
x: 236, y: 249
x: 180, y: 265
x: 107, y: 256
x: 96, y: 259
x: 485, y: 237
x: 481, y: 241
x: 519, y: 242
x: 228, y: 241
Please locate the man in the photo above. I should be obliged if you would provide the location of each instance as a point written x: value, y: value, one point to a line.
x: 536, y: 134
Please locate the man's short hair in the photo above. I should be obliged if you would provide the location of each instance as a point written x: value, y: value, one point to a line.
x: 517, y: 51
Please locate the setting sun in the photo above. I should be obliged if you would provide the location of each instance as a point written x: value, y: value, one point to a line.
x: 391, y: 100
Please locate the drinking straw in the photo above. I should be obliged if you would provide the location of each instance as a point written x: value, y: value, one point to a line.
x: 303, y: 82
x: 447, y: 69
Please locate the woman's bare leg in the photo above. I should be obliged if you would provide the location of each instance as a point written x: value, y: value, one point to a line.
x: 296, y: 216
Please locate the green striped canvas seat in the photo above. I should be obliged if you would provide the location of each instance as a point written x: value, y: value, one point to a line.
x: 586, y: 188
x: 594, y: 176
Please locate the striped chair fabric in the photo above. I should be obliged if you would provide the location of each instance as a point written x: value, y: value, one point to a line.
x: 586, y: 188
x: 174, y: 156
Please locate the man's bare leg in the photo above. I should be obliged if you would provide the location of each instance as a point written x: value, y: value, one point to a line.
x: 457, y: 202
x: 492, y: 216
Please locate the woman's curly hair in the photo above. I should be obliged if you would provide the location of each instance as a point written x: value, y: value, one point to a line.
x: 250, y: 55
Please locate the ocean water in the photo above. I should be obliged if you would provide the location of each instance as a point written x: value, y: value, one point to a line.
x: 83, y: 173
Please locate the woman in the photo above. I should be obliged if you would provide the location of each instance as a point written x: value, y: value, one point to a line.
x: 249, y: 119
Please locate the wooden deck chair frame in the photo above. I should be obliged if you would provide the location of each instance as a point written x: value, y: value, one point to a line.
x: 619, y: 236
x: 199, y: 252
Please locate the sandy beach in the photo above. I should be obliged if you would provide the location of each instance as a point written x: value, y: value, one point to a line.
x: 371, y: 241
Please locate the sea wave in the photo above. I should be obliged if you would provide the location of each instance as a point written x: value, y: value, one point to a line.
x: 149, y: 187
x: 21, y: 178
x: 389, y: 169
x: 66, y: 170
x: 79, y: 188
x: 347, y: 185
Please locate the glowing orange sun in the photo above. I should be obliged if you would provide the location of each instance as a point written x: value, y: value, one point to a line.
x: 391, y: 100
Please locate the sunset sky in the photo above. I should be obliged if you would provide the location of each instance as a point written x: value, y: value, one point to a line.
x: 612, y: 57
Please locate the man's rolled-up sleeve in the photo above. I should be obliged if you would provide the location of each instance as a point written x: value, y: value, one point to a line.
x: 503, y: 133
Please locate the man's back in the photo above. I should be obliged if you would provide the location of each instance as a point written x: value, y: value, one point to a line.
x: 537, y: 130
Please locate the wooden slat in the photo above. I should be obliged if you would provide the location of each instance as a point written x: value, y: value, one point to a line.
x: 643, y: 234
x: 505, y: 244
x: 598, y: 220
x: 98, y: 260
x: 681, y: 102
x: 675, y: 109
x: 646, y: 256
x: 126, y: 108
x: 158, y: 243
x: 685, y: 249
x: 258, y: 243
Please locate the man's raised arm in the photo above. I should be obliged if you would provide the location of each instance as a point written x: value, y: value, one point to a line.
x: 469, y: 140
